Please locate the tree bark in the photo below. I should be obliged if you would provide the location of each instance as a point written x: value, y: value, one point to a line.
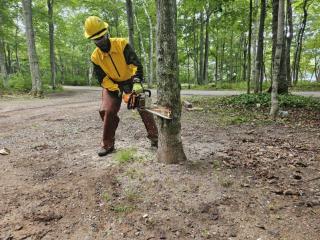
x: 9, y: 62
x: 249, y: 49
x: 317, y: 68
x: 32, y: 54
x: 195, y: 49
x: 297, y: 54
x: 206, y: 50
x: 200, y: 75
x: 282, y: 80
x: 3, y: 67
x: 289, y: 37
x: 130, y: 22
x: 277, y: 62
x: 145, y: 61
x: 170, y: 149
x: 51, y: 43
x: 150, y: 45
x: 16, y: 46
x: 254, y: 39
x: 259, y: 56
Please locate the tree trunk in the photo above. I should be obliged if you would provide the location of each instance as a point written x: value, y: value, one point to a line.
x: 51, y: 43
x: 289, y: 37
x: 62, y: 68
x: 216, y: 57
x: 277, y: 61
x: 9, y: 62
x: 245, y: 61
x: 170, y: 149
x: 150, y: 45
x: 249, y: 49
x: 254, y: 39
x: 145, y: 61
x: 317, y: 68
x: 130, y: 22
x: 195, y: 50
x: 206, y: 50
x: 282, y: 78
x: 3, y: 67
x: 16, y: 46
x: 200, y: 75
x: 33, y: 58
x: 259, y: 57
x: 297, y: 54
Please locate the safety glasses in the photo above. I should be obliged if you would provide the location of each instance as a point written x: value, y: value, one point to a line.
x: 100, y: 40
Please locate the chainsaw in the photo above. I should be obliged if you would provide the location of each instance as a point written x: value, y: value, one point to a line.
x: 143, y: 101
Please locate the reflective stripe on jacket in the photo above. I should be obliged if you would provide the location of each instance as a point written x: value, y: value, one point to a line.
x: 114, y: 64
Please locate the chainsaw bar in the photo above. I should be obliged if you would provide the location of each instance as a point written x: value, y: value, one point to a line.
x: 159, y: 111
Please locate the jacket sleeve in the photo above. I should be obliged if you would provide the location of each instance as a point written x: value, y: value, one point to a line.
x: 103, y: 79
x: 132, y: 58
x: 98, y: 73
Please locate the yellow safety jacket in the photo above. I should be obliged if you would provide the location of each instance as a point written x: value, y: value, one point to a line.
x: 114, y: 64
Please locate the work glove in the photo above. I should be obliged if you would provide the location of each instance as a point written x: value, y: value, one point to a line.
x: 137, y: 86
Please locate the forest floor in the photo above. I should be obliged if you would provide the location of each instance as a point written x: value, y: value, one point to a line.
x: 243, y: 179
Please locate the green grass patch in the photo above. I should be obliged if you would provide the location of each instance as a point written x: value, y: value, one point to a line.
x: 122, y: 208
x: 106, y: 197
x: 306, y: 86
x: 253, y: 108
x: 286, y: 101
x: 126, y: 155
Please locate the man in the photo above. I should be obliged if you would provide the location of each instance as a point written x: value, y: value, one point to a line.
x: 118, y: 71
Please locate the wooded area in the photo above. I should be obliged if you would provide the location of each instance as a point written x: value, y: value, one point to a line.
x: 218, y: 41
x: 208, y: 165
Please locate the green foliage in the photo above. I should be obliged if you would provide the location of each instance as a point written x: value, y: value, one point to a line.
x: 20, y: 82
x: 264, y: 99
x: 122, y: 208
x: 307, y: 86
x: 126, y: 155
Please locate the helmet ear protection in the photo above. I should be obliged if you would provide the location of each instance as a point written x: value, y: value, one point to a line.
x: 94, y: 27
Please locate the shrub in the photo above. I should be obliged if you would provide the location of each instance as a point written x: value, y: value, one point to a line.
x: 20, y: 82
x: 264, y: 100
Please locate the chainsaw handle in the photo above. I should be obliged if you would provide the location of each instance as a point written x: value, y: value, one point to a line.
x: 147, y: 91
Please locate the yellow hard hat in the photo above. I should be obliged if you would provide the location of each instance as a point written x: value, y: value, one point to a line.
x: 94, y: 27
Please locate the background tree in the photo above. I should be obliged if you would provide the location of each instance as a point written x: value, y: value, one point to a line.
x: 249, y: 48
x: 170, y: 149
x: 51, y: 43
x: 130, y: 22
x: 258, y: 77
x: 297, y: 53
x: 33, y: 58
x: 277, y: 60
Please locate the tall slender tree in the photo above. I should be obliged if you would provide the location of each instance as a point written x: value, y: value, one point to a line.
x: 289, y: 37
x: 150, y: 44
x: 249, y: 48
x: 259, y: 55
x: 3, y: 68
x: 201, y: 48
x: 51, y: 43
x: 33, y: 58
x: 277, y: 61
x: 300, y: 35
x: 170, y: 149
x: 130, y: 22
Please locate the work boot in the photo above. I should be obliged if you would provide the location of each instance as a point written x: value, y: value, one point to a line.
x: 105, y: 151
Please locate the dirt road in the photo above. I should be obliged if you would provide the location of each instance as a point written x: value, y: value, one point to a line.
x: 202, y: 92
x: 240, y: 182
